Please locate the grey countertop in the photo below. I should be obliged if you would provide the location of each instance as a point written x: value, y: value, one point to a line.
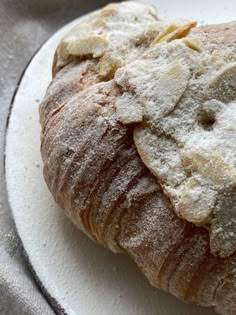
x: 24, y: 26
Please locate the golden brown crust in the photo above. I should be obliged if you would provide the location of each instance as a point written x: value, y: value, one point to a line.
x: 94, y: 172
x: 106, y: 190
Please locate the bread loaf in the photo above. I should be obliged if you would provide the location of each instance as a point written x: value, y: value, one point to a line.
x: 118, y: 77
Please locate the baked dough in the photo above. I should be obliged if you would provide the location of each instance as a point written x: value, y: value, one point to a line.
x: 91, y: 164
x: 187, y: 131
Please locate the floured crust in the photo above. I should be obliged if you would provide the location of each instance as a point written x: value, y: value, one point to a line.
x: 93, y: 169
x: 187, y: 134
x: 114, y: 34
x: 94, y: 172
x: 217, y: 36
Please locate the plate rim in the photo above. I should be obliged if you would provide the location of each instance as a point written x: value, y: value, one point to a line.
x: 53, y: 302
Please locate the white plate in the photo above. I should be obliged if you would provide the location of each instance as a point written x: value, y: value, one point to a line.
x: 81, y: 276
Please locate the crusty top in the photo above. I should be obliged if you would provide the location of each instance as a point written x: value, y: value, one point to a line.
x: 174, y: 90
x: 183, y: 92
x: 114, y: 35
x: 176, y: 83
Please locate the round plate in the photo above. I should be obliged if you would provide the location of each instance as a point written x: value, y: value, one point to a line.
x: 82, y: 277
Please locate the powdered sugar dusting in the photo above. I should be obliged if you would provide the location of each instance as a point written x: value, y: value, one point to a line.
x: 187, y: 138
x: 90, y: 161
x: 116, y: 34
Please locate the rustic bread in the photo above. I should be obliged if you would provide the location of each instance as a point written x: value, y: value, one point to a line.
x: 187, y: 133
x: 92, y: 166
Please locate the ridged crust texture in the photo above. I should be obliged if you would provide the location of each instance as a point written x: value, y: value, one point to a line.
x: 94, y: 171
